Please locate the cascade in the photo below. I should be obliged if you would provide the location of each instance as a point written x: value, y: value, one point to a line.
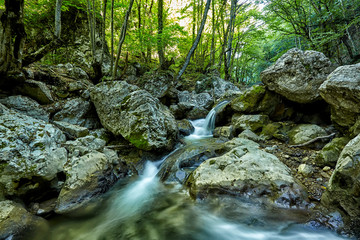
x: 147, y: 209
x: 205, y: 127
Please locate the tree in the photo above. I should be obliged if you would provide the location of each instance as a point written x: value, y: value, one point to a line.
x: 196, y: 42
x: 58, y: 18
x: 122, y: 37
x: 12, y: 38
x: 160, y: 32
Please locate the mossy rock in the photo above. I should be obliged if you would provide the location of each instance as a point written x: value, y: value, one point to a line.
x: 249, y: 101
x: 330, y: 153
x: 270, y: 130
x: 253, y: 122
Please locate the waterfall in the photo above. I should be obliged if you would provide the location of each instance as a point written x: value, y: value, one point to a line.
x: 205, y: 127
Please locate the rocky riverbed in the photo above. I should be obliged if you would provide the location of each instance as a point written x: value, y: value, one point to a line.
x: 291, y: 141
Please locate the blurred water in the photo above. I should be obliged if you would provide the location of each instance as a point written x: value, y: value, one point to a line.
x: 203, y: 128
x: 147, y: 209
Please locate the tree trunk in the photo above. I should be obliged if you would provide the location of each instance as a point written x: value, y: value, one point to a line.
x: 212, y: 51
x: 91, y: 28
x: 122, y: 37
x: 112, y: 36
x: 230, y: 40
x: 58, y: 18
x: 160, y: 31
x: 197, y: 40
x: 12, y: 39
x: 103, y: 32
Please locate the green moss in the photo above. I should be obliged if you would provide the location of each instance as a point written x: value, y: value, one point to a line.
x: 139, y: 140
x: 212, y: 162
x: 269, y: 130
x: 249, y: 101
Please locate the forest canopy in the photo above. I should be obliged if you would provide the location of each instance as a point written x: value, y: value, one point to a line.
x: 240, y: 38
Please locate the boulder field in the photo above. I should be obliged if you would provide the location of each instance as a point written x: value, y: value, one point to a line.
x: 291, y: 142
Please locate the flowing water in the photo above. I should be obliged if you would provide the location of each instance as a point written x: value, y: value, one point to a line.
x: 204, y: 127
x: 146, y: 209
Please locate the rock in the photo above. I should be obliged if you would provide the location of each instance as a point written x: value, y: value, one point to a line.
x: 305, y: 132
x: 225, y: 131
x: 343, y: 191
x: 297, y: 75
x: 80, y: 112
x: 16, y: 222
x: 305, y: 169
x: 178, y: 166
x: 328, y: 156
x: 156, y: 83
x: 194, y: 106
x: 355, y: 129
x: 248, y: 134
x: 252, y: 122
x: 91, y: 170
x: 185, y: 127
x: 134, y: 114
x: 74, y: 131
x: 342, y: 91
x: 30, y: 153
x: 215, y: 86
x: 256, y: 99
x: 37, y: 91
x: 87, y: 176
x: 73, y: 72
x: 197, y: 113
x: 26, y: 106
x: 248, y: 171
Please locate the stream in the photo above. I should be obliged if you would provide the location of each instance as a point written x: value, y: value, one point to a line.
x: 145, y: 208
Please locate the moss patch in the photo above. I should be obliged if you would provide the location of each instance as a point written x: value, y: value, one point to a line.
x: 139, y: 140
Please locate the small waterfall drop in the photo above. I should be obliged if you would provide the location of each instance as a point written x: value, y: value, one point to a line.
x: 205, y: 127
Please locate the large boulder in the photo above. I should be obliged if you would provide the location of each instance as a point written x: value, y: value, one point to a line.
x: 305, y: 132
x: 27, y: 106
x: 157, y: 83
x: 248, y: 171
x: 343, y: 191
x: 78, y: 111
x: 342, y: 91
x: 17, y: 223
x: 215, y: 86
x: 31, y: 153
x: 36, y: 90
x: 91, y: 170
x: 328, y: 156
x: 252, y: 122
x: 127, y: 111
x: 256, y: 99
x: 297, y: 75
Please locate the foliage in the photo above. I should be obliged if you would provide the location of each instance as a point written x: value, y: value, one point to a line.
x: 263, y: 30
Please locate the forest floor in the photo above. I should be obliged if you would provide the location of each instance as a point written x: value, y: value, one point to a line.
x: 316, y: 181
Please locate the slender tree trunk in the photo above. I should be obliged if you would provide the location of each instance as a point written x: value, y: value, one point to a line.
x: 160, y: 31
x: 197, y: 40
x: 230, y: 40
x: 103, y: 33
x: 122, y: 37
x: 194, y: 21
x: 91, y: 28
x: 112, y: 36
x: 58, y: 18
x: 12, y: 39
x: 212, y: 51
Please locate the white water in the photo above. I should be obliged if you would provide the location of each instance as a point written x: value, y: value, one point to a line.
x: 135, y: 207
x: 203, y: 128
x: 147, y: 209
